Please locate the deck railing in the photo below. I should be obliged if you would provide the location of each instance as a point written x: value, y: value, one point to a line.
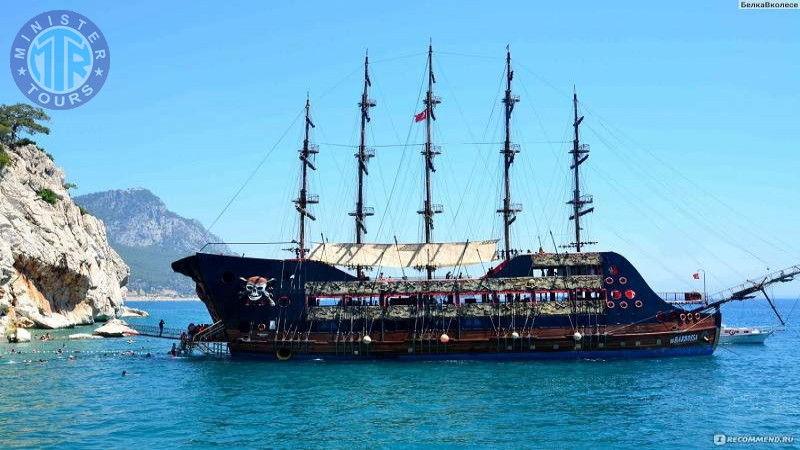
x: 682, y: 297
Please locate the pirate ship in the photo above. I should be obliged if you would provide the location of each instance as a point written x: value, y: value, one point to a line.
x: 569, y: 304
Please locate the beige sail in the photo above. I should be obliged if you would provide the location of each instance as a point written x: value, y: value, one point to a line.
x: 448, y: 254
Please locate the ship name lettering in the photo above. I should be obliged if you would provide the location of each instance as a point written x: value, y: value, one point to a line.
x: 683, y: 339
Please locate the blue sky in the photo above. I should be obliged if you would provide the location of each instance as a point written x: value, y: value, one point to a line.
x: 691, y: 112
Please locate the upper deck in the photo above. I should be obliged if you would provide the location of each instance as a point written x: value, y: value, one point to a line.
x: 532, y: 272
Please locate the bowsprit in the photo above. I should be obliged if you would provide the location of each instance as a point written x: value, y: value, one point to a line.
x: 59, y: 59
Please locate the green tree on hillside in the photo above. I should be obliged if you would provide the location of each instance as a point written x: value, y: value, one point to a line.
x: 21, y: 118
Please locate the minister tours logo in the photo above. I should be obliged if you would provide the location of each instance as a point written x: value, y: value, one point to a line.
x: 60, y: 59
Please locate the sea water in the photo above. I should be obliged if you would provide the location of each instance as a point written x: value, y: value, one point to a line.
x: 165, y: 402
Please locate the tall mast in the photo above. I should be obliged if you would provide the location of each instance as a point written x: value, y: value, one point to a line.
x: 509, y: 210
x: 363, y: 156
x: 579, y: 155
x: 429, y: 209
x: 304, y: 199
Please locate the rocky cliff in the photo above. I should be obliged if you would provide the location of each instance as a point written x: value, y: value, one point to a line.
x: 56, y: 266
x: 149, y: 237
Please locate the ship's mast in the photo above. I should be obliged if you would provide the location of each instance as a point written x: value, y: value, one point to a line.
x: 363, y: 156
x: 304, y: 199
x: 509, y: 210
x: 429, y: 209
x: 579, y: 155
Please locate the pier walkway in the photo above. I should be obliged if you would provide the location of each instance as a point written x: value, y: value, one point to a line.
x: 209, y: 341
x: 153, y: 331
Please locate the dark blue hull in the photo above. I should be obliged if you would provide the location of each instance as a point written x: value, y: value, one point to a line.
x: 702, y: 350
x: 628, y: 320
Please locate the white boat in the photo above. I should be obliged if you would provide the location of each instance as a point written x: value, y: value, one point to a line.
x: 744, y: 335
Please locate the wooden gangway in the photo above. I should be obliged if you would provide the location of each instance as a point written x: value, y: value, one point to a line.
x: 155, y: 331
x: 210, y: 341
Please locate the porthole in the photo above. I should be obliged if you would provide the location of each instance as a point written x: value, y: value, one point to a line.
x: 610, y: 304
x: 623, y: 304
x: 623, y: 280
x: 609, y: 280
x: 638, y: 303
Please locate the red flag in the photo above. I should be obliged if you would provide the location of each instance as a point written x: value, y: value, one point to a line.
x: 421, y: 116
x: 696, y: 276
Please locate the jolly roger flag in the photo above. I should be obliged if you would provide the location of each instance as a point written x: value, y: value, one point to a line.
x: 696, y: 276
x: 421, y: 116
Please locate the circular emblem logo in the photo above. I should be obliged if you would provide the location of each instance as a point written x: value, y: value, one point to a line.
x: 60, y: 59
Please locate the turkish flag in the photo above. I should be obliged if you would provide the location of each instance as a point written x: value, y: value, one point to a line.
x: 696, y: 276
x: 421, y: 116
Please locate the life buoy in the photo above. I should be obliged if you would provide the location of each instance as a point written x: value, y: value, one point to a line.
x: 613, y: 270
x: 616, y: 294
x: 623, y: 304
x: 283, y: 354
x: 630, y: 293
x: 262, y: 327
x: 610, y: 304
x: 638, y: 303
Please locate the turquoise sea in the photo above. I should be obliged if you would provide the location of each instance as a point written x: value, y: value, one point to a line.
x: 165, y: 402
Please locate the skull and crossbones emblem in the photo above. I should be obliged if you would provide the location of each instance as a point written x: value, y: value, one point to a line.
x: 258, y: 288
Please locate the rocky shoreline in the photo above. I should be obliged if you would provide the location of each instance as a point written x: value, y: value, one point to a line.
x: 57, y: 269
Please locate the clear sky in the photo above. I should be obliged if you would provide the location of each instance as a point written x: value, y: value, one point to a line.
x: 691, y: 113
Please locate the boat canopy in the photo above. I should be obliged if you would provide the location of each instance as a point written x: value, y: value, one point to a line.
x: 449, y: 254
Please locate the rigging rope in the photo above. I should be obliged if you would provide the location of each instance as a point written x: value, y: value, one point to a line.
x: 257, y: 168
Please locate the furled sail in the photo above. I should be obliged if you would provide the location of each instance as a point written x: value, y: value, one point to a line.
x: 417, y: 256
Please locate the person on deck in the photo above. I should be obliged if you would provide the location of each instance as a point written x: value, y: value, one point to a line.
x: 160, y: 327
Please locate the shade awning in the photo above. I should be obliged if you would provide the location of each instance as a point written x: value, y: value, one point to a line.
x: 448, y: 254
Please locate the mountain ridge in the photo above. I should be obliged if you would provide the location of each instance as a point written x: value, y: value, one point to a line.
x: 149, y: 236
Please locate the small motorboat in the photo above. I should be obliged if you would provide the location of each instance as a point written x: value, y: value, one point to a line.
x: 744, y: 335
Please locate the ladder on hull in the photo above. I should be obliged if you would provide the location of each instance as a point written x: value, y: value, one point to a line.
x: 209, y: 342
